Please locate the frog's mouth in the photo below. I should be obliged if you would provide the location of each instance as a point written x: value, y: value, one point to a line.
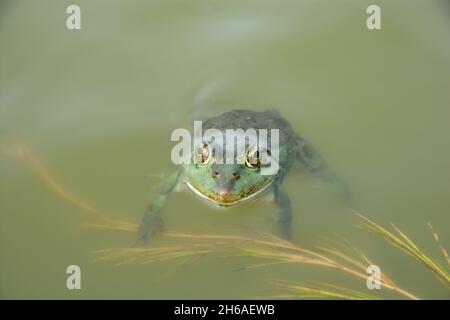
x: 227, y: 201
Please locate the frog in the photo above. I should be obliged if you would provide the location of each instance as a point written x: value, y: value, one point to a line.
x: 230, y: 184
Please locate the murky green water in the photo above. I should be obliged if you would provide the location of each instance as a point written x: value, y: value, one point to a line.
x: 97, y: 107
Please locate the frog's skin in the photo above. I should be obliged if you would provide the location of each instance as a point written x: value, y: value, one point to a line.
x: 230, y: 184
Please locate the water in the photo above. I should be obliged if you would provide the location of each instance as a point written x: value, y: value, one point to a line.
x: 97, y: 107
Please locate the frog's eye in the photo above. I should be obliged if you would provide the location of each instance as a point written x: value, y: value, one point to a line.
x: 253, y: 158
x: 202, y: 153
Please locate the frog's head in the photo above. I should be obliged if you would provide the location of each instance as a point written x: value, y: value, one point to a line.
x: 226, y: 184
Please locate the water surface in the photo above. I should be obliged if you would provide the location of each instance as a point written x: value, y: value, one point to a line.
x: 97, y: 107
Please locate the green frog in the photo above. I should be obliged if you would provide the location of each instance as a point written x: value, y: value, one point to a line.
x: 231, y: 184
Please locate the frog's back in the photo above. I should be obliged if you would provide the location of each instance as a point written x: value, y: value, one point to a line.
x: 247, y: 119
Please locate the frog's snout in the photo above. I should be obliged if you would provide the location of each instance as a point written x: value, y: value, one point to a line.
x: 224, y: 191
x: 225, y: 180
x: 224, y: 186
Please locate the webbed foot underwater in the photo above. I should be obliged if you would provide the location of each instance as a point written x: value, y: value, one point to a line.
x: 233, y: 182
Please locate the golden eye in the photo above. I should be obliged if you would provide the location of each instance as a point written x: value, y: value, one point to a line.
x: 202, y: 153
x: 253, y: 158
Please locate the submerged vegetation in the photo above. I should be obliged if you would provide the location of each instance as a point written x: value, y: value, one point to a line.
x: 265, y: 248
x: 275, y: 250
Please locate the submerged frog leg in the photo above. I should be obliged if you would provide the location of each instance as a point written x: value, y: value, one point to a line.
x: 284, y: 212
x: 311, y: 162
x: 152, y: 224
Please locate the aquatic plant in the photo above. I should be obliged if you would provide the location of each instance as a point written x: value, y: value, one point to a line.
x: 276, y: 250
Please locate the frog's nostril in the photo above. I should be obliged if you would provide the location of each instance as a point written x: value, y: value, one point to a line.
x: 236, y: 175
x: 215, y: 173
